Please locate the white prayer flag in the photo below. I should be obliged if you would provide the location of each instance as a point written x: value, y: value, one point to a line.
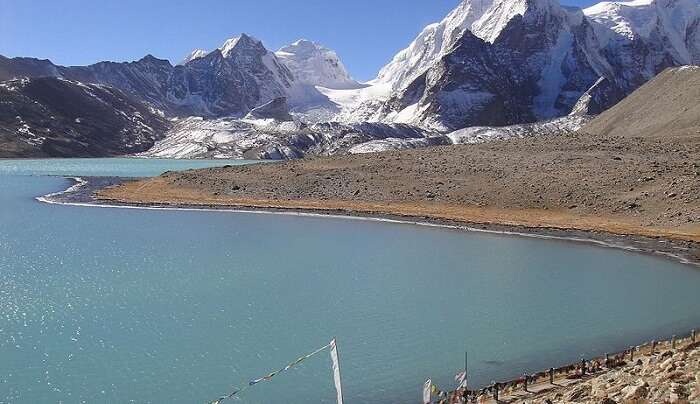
x: 461, y: 379
x: 336, y: 371
x: 427, y: 391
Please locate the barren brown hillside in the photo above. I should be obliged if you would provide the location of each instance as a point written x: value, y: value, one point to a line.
x: 668, y: 105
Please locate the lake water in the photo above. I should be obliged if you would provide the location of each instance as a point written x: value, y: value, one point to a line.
x: 143, y: 306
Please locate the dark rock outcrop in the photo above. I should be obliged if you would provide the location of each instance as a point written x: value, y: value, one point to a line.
x: 51, y: 117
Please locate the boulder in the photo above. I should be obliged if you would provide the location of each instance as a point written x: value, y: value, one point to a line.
x: 635, y: 392
x: 579, y: 392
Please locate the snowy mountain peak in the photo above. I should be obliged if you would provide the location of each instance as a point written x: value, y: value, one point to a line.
x: 195, y: 54
x: 640, y: 17
x: 315, y: 65
x: 242, y: 42
x: 626, y: 18
x: 432, y: 43
x: 303, y: 45
x: 486, y: 19
x: 501, y: 12
x: 496, y: 18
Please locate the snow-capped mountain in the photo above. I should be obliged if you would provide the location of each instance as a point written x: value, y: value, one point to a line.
x: 195, y: 54
x: 315, y: 65
x: 488, y: 63
x: 435, y: 41
x: 640, y: 38
x: 506, y: 62
x: 229, y: 81
x: 310, y: 63
x: 498, y: 62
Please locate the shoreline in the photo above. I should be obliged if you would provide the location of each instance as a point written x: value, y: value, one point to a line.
x: 84, y: 192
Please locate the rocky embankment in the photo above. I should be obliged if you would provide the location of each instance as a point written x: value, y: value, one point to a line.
x: 668, y: 375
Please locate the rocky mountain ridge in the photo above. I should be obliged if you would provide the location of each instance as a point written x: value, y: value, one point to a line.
x: 51, y: 117
x: 229, y: 81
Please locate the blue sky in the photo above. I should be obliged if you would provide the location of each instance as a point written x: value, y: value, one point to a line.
x: 365, y: 33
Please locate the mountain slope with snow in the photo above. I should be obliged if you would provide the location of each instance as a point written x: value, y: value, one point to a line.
x: 432, y: 43
x: 514, y: 61
x: 532, y: 64
x: 640, y: 38
x: 51, y: 117
x: 489, y: 63
x: 195, y: 54
x: 229, y: 81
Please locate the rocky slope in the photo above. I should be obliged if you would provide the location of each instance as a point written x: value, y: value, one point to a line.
x: 668, y: 105
x: 668, y: 376
x: 617, y: 184
x: 50, y: 117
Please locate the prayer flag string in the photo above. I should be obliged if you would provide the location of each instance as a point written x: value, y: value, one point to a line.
x: 272, y: 374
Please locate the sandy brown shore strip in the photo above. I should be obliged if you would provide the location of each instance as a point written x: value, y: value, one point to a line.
x: 160, y: 191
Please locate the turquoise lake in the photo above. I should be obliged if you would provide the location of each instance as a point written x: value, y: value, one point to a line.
x: 108, y: 305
